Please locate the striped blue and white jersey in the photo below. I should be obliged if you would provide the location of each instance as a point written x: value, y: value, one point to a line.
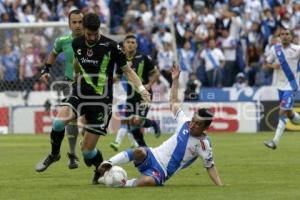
x: 182, y: 149
x: 287, y: 77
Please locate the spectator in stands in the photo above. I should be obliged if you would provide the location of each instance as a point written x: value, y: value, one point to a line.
x: 26, y: 16
x: 192, y: 89
x: 240, y: 82
x: 214, y: 61
x: 159, y: 91
x: 162, y: 17
x: 9, y: 68
x: 253, y: 56
x: 165, y: 60
x: 268, y: 25
x: 117, y: 12
x: 161, y: 36
x: 186, y: 60
x: 145, y: 14
x: 29, y: 64
x: 229, y: 45
x: 180, y: 28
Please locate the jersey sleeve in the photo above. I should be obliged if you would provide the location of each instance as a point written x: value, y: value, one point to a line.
x: 74, y: 47
x: 57, y: 48
x: 119, y: 58
x: 205, y: 153
x: 271, y: 55
x: 149, y: 63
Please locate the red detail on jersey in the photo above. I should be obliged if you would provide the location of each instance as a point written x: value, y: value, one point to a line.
x: 155, y: 173
x: 202, y: 145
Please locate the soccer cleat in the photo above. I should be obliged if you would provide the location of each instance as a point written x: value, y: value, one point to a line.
x: 157, y: 131
x: 270, y: 144
x: 96, y: 177
x: 73, y: 161
x: 46, y: 162
x: 114, y: 146
x: 105, y: 166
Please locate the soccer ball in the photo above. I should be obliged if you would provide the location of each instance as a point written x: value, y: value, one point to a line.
x: 115, y: 177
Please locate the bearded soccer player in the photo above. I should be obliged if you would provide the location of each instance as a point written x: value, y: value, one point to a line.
x: 95, y: 59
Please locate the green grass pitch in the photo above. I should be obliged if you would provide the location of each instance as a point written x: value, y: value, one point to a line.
x: 248, y: 169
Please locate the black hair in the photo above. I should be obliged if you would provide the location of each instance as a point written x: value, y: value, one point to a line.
x: 75, y: 12
x: 206, y: 114
x: 129, y: 36
x: 91, y: 21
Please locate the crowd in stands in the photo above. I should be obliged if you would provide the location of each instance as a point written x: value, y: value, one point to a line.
x: 217, y: 41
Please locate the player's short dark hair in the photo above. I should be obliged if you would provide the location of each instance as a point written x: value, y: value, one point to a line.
x: 91, y: 21
x: 206, y: 114
x: 129, y: 36
x: 75, y: 12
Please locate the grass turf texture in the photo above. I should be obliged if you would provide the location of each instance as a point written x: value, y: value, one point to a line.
x: 248, y: 169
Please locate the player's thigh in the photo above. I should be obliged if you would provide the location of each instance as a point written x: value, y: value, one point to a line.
x: 89, y: 141
x: 146, y: 181
x: 66, y: 114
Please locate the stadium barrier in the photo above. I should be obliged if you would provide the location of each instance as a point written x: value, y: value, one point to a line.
x: 229, y: 117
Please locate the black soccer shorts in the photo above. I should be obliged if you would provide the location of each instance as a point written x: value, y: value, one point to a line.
x: 97, y: 111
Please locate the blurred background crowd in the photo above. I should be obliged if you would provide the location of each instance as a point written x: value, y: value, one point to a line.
x: 219, y: 43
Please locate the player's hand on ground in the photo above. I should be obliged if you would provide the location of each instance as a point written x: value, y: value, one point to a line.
x: 175, y: 71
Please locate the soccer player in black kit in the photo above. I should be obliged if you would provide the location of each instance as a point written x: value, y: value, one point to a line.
x: 95, y: 58
x: 136, y: 109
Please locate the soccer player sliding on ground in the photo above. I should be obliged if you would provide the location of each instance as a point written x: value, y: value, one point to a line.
x: 189, y: 142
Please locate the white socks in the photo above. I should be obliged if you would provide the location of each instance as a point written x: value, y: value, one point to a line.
x: 279, y: 130
x: 132, y: 140
x: 121, y: 133
x: 296, y: 118
x: 120, y: 158
x: 131, y: 183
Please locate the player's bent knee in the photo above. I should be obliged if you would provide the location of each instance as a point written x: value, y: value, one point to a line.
x: 58, y: 125
x: 88, y: 154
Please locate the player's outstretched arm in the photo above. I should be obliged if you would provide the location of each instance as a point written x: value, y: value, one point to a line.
x: 214, y: 175
x: 174, y: 102
x: 136, y: 82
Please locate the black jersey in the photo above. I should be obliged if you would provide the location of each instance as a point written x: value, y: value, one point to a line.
x: 97, y: 64
x: 143, y: 66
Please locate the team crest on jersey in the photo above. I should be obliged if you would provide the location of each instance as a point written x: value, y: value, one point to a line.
x: 89, y: 52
